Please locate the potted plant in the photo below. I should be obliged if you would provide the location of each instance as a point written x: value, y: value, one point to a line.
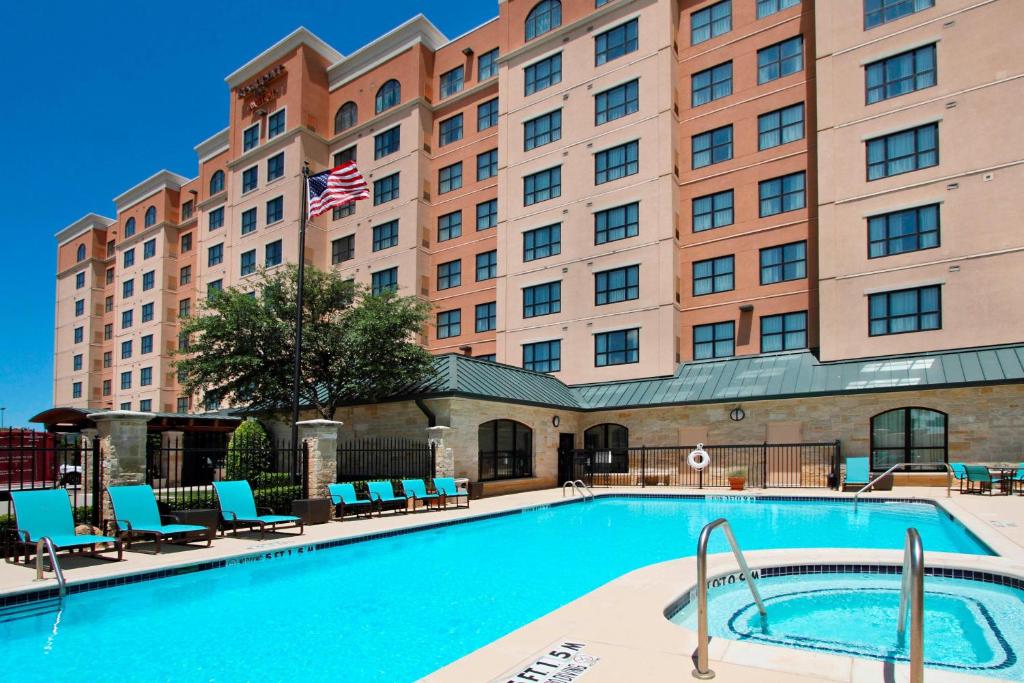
x: 737, y: 478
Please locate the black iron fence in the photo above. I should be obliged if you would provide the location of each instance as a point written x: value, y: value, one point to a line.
x: 377, y: 458
x: 495, y: 465
x: 800, y: 465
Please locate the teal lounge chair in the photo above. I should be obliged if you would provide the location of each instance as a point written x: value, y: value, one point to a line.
x: 383, y: 494
x: 47, y: 514
x: 858, y: 474
x: 979, y: 474
x: 960, y: 473
x: 345, y: 500
x: 238, y: 508
x: 136, y: 514
x: 1018, y: 478
x: 449, y: 491
x: 416, y: 490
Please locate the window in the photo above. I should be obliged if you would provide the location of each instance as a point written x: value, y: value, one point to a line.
x: 544, y: 299
x: 213, y: 287
x: 80, y: 279
x: 184, y: 308
x: 545, y: 356
x: 878, y: 12
x: 713, y: 275
x: 717, y: 340
x: 148, y: 280
x: 248, y: 262
x: 785, y: 332
x: 711, y: 21
x: 545, y: 16
x: 784, y: 263
x: 506, y: 449
x: 389, y: 95
x: 449, y: 324
x: 611, y: 441
x: 250, y: 137
x: 385, y: 235
x: 452, y: 81
x: 216, y: 182
x: 80, y: 307
x: 339, y: 212
x: 902, y: 231
x: 150, y: 217
x: 449, y: 226
x: 126, y: 405
x: 182, y: 404
x: 106, y: 387
x: 79, y: 335
x: 711, y: 84
x: 616, y: 223
x: 903, y: 152
x: 487, y: 114
x: 76, y: 390
x: 145, y: 377
x: 780, y: 126
x: 127, y: 288
x: 215, y: 255
x: 449, y: 130
x: 780, y: 59
x: 900, y: 74
x: 487, y: 214
x: 618, y: 284
x: 542, y: 186
x: 542, y: 242
x: 615, y: 42
x: 343, y: 249
x: 917, y: 435
x: 486, y: 317
x: 76, y: 362
x: 147, y: 312
x: 486, y: 266
x: 275, y: 167
x: 275, y: 123
x: 149, y: 249
x: 126, y: 349
x: 186, y: 244
x: 385, y: 189
x: 779, y: 195
x: 542, y: 130
x: 906, y: 310
x: 80, y: 253
x: 713, y: 211
x: 109, y: 276
x: 712, y: 147
x: 449, y: 274
x: 347, y: 154
x: 487, y: 165
x: 617, y: 348
x: 129, y: 227
x: 768, y: 7
x: 250, y: 179
x: 345, y: 117
x: 146, y: 405
x: 108, y: 331
x: 216, y: 218
x: 127, y: 318
x: 387, y: 142
x: 110, y: 248
x: 108, y: 359
x: 487, y: 65
x: 384, y: 280
x: 275, y: 210
x: 617, y: 162
x: 108, y: 304
x: 449, y: 178
x: 249, y: 221
x: 185, y: 275
x: 543, y: 74
x: 490, y: 357
x: 128, y: 258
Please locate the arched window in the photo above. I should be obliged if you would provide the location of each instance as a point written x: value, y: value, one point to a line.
x: 217, y: 182
x: 150, y: 216
x: 80, y: 254
x: 129, y: 227
x: 506, y: 450
x: 389, y: 95
x: 917, y: 435
x: 610, y: 443
x: 545, y: 15
x: 345, y: 117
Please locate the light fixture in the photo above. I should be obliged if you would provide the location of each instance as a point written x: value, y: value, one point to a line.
x: 746, y: 308
x: 737, y: 414
x: 556, y: 420
x: 467, y: 51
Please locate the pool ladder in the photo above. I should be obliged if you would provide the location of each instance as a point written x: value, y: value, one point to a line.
x: 578, y: 486
x: 904, y: 465
x: 45, y: 544
x: 912, y: 595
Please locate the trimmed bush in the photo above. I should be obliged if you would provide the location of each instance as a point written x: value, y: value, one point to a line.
x: 249, y: 452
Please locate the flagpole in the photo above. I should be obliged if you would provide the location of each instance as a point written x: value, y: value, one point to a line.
x: 298, y: 308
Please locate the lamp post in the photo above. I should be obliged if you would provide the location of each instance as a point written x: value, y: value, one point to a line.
x: 298, y: 310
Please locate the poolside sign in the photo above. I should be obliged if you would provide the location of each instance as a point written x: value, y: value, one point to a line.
x: 560, y: 662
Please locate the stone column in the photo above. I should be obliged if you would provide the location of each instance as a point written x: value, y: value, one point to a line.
x: 122, y: 450
x: 321, y: 439
x: 172, y: 443
x: 441, y: 437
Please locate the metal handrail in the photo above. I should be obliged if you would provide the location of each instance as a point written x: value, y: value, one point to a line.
x: 899, y: 465
x: 46, y: 544
x: 578, y: 486
x: 912, y: 591
x: 703, y: 671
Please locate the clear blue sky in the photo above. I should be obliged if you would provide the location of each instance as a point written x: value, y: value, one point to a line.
x: 97, y: 96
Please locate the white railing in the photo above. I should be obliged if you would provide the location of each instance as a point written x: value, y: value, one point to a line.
x: 45, y: 544
x: 901, y: 465
x: 912, y: 592
x: 578, y: 486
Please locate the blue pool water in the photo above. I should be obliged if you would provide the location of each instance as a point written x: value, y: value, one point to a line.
x: 397, y: 608
x: 970, y: 627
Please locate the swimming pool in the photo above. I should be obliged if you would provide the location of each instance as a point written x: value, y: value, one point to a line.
x: 397, y: 608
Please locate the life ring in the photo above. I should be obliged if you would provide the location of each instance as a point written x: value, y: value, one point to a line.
x: 698, y: 458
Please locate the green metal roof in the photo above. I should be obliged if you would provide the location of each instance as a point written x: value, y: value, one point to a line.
x: 465, y: 376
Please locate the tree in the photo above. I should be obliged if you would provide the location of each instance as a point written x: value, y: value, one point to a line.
x: 249, y: 452
x: 355, y: 345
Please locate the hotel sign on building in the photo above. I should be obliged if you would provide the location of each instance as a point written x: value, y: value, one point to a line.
x: 260, y: 90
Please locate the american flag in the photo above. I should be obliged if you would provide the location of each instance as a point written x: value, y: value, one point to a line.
x: 339, y: 186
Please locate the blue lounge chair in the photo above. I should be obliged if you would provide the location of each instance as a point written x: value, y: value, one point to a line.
x: 449, y: 491
x: 416, y: 490
x: 1018, y: 478
x: 47, y: 514
x: 858, y: 474
x: 238, y: 508
x: 960, y: 473
x: 383, y: 494
x: 980, y: 475
x: 136, y: 514
x: 344, y: 499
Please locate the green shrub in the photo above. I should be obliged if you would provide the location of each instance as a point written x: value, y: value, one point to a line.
x: 249, y: 452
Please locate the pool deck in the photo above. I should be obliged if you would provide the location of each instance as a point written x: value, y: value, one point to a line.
x: 621, y: 623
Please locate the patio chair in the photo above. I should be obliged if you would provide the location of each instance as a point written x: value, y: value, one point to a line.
x: 383, y: 494
x: 136, y: 514
x: 960, y: 473
x: 858, y: 474
x: 448, y: 490
x: 980, y: 475
x: 416, y: 490
x: 1018, y: 478
x: 344, y: 499
x: 47, y: 514
x: 238, y: 508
